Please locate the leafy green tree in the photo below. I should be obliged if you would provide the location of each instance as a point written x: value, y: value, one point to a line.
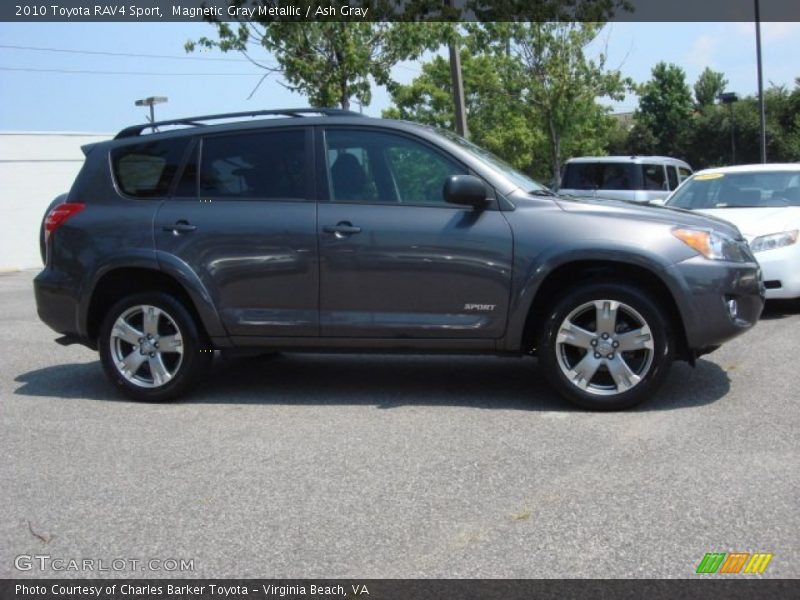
x: 330, y: 62
x: 498, y: 119
x: 530, y: 93
x: 710, y: 142
x: 663, y: 119
x: 710, y: 84
x: 559, y: 82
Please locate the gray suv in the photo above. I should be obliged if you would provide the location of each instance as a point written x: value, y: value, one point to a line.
x: 322, y: 230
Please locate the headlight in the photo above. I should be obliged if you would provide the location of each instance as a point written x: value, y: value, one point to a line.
x: 774, y: 240
x: 711, y: 244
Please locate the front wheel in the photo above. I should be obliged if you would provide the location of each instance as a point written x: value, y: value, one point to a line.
x: 151, y: 348
x: 605, y: 346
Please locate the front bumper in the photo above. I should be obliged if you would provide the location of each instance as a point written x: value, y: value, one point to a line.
x: 711, y: 290
x: 781, y: 269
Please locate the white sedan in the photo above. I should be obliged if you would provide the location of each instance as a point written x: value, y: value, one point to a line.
x: 763, y: 201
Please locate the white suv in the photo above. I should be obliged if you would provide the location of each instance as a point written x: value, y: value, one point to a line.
x: 635, y: 178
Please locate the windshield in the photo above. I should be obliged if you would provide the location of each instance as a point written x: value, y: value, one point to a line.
x: 738, y: 190
x: 516, y: 177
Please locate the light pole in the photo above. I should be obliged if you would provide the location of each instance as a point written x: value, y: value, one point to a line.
x: 151, y: 102
x: 761, y: 116
x: 457, y: 81
x: 729, y: 98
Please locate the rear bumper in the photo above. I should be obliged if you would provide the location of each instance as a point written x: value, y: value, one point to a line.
x: 721, y: 300
x: 57, y: 302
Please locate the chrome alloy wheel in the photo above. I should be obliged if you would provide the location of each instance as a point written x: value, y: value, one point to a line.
x: 146, y: 346
x: 604, y: 347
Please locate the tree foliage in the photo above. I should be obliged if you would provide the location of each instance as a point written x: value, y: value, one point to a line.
x: 330, y: 62
x: 531, y: 93
x: 710, y: 84
x: 498, y: 119
x: 710, y: 143
x: 663, y: 119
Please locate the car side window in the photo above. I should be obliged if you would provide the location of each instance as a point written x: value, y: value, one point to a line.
x: 616, y: 176
x: 672, y: 173
x: 378, y: 167
x: 146, y: 170
x: 683, y: 174
x: 261, y: 165
x: 653, y: 177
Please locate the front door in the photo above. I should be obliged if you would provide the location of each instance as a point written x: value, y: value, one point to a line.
x: 244, y: 220
x: 396, y: 261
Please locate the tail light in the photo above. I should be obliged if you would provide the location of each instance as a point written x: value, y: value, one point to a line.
x: 59, y: 215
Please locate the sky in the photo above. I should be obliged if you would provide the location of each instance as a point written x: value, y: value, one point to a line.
x: 97, y: 93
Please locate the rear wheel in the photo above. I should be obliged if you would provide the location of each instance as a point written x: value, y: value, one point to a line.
x: 151, y: 348
x: 605, y: 346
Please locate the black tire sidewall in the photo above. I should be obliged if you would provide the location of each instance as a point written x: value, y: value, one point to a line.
x: 647, y: 307
x: 197, y: 355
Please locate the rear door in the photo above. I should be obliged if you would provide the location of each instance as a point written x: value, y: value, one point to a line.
x: 243, y: 219
x: 396, y: 260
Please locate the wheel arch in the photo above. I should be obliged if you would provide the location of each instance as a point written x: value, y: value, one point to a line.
x: 119, y: 281
x: 585, y: 270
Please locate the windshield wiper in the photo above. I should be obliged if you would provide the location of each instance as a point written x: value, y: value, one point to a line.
x: 542, y: 193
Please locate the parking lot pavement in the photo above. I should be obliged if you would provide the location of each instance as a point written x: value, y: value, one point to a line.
x: 389, y: 466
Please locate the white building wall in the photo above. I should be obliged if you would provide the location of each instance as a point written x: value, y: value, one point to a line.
x: 35, y: 167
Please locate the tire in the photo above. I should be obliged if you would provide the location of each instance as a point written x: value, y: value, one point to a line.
x: 163, y: 367
x: 590, y: 351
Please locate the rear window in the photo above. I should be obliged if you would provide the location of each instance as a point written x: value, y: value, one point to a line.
x: 146, y: 170
x: 600, y: 176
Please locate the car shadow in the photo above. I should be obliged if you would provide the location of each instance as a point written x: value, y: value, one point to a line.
x: 385, y: 381
x: 780, y: 309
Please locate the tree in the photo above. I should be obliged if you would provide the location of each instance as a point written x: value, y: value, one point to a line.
x: 710, y: 84
x: 530, y: 93
x: 498, y: 119
x: 710, y: 143
x: 663, y: 119
x: 560, y: 83
x: 330, y: 62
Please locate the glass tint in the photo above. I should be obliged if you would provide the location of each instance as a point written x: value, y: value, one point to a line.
x: 600, y: 176
x: 261, y: 165
x: 146, y: 170
x: 672, y: 174
x: 371, y: 167
x: 653, y: 177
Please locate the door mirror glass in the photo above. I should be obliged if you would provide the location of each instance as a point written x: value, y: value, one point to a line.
x: 465, y: 190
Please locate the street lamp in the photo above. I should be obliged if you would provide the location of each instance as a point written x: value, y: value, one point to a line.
x: 151, y: 102
x: 729, y: 98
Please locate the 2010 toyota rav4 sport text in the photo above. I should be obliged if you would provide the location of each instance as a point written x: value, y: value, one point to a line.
x: 323, y: 230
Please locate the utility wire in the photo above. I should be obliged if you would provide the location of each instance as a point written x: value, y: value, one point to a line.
x: 142, y: 73
x: 125, y: 54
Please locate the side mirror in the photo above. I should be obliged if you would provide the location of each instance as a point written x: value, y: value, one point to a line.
x: 466, y: 190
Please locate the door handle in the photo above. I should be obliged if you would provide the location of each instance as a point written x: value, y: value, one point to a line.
x: 342, y: 229
x: 181, y: 226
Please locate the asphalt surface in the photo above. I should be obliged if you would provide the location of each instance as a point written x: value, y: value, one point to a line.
x: 386, y: 466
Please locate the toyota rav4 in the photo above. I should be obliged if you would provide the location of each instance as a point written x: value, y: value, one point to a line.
x: 322, y: 230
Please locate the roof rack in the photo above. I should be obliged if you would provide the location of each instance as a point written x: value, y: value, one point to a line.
x: 135, y: 130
